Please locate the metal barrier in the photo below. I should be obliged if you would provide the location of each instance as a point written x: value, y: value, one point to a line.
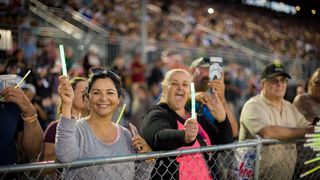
x: 254, y: 159
x: 285, y: 160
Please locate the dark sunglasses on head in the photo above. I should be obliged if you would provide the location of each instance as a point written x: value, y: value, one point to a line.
x: 205, y: 60
x: 101, y: 71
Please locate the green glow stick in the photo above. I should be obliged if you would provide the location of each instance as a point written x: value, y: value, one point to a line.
x: 312, y: 160
x: 121, y: 113
x: 63, y: 61
x: 312, y: 144
x: 315, y: 148
x: 24, y: 77
x: 309, y: 172
x: 312, y: 135
x: 313, y: 140
x: 193, y: 101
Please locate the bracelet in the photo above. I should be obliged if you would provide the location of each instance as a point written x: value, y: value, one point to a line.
x: 30, y: 119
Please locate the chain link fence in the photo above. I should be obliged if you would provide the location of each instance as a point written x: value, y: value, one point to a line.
x: 254, y: 159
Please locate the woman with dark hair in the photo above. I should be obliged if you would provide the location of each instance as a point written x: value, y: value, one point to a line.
x: 96, y: 135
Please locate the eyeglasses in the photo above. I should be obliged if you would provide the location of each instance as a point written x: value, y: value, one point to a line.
x: 276, y: 81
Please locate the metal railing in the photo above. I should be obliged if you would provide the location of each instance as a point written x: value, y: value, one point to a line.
x: 253, y: 159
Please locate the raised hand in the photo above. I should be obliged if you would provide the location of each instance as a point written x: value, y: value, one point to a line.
x: 65, y: 90
x: 190, y: 130
x: 214, y: 104
x: 17, y: 96
x: 218, y: 86
x: 66, y: 94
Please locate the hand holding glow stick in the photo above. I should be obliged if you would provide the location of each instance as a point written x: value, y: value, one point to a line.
x: 193, y: 101
x: 121, y: 113
x: 63, y: 61
x: 24, y: 77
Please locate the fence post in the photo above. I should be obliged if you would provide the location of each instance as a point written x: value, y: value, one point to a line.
x: 258, y: 158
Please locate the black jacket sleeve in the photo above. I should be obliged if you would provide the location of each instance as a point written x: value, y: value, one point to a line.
x: 224, y: 132
x: 159, y: 129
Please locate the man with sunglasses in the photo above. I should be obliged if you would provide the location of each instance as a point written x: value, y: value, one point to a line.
x: 199, y: 70
x: 268, y: 115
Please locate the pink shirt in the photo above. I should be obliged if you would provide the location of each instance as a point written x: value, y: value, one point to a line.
x: 194, y: 166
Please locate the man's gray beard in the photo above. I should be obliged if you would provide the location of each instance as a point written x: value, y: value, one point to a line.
x: 202, y: 86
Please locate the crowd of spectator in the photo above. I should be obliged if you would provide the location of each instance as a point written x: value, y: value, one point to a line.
x: 141, y: 80
x: 168, y: 21
x: 176, y: 21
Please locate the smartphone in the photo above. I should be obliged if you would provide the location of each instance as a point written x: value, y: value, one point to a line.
x: 215, y: 68
x: 133, y: 130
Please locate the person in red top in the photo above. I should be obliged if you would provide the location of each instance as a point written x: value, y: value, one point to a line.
x: 138, y: 69
x: 79, y: 109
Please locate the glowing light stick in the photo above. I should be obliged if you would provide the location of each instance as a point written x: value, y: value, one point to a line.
x: 193, y: 102
x: 24, y: 77
x: 63, y: 61
x: 121, y: 113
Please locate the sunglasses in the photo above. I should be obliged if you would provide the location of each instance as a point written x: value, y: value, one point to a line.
x: 102, y: 71
x: 276, y: 81
x: 205, y: 60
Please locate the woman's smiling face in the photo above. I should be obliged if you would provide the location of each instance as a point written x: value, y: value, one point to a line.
x: 103, y: 97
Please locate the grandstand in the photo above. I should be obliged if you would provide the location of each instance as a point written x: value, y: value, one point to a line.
x: 247, y: 34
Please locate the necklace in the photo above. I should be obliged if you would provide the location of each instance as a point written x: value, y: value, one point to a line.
x: 106, y: 136
x: 108, y: 139
x: 105, y: 132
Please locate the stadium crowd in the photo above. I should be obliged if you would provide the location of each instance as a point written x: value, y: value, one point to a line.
x: 170, y: 22
x: 175, y: 21
x: 283, y: 36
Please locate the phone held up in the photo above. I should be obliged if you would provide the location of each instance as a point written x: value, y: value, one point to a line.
x: 133, y: 130
x: 215, y: 69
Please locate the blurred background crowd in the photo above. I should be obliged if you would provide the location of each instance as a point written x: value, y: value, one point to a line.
x: 171, y: 32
